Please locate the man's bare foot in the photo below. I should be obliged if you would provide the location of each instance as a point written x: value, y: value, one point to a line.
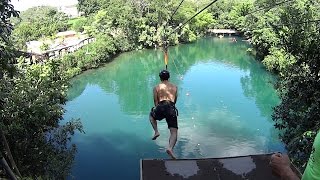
x: 156, y: 135
x: 170, y: 153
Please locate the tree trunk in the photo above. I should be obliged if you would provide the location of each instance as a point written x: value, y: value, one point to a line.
x: 7, y: 168
x: 7, y: 148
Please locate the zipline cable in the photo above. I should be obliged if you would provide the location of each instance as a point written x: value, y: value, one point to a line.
x: 173, y: 60
x: 302, y: 22
x: 270, y: 7
x: 183, y: 24
x: 175, y: 11
x: 280, y: 3
x: 164, y: 38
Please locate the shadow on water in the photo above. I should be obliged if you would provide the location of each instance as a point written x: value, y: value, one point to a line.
x: 120, y: 157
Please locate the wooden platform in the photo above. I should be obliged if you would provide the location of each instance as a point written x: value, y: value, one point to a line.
x: 230, y: 168
x: 222, y: 31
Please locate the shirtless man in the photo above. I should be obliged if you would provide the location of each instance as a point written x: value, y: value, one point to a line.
x: 165, y: 98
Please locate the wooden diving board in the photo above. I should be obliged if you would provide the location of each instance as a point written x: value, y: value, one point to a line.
x: 252, y: 167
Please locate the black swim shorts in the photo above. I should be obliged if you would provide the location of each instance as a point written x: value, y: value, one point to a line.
x: 166, y: 109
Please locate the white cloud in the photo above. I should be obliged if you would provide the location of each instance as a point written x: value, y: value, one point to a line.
x: 22, y: 5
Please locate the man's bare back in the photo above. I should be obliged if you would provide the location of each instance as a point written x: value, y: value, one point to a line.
x: 166, y: 91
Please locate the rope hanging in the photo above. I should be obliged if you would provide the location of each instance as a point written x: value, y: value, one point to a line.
x: 165, y: 37
x: 166, y: 57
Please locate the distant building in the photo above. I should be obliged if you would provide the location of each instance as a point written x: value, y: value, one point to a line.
x: 63, y: 39
x: 66, y: 34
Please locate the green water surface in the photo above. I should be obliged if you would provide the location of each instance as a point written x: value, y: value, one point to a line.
x: 225, y: 104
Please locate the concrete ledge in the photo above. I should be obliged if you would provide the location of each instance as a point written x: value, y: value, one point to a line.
x: 229, y: 168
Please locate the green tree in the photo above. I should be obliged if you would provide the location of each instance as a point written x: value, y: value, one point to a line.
x: 285, y: 38
x: 78, y: 24
x: 202, y: 21
x: 30, y: 119
x: 6, y: 57
x: 237, y: 15
x: 89, y: 6
x: 38, y: 22
x: 31, y: 107
x: 298, y: 114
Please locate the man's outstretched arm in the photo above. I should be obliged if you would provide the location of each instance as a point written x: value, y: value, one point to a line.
x: 280, y: 164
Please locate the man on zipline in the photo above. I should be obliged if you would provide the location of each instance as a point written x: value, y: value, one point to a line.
x: 165, y: 98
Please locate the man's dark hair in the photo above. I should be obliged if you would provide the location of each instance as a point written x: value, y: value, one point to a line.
x: 164, y: 75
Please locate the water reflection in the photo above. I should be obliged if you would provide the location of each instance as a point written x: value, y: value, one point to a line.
x: 226, y: 113
x: 133, y: 75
